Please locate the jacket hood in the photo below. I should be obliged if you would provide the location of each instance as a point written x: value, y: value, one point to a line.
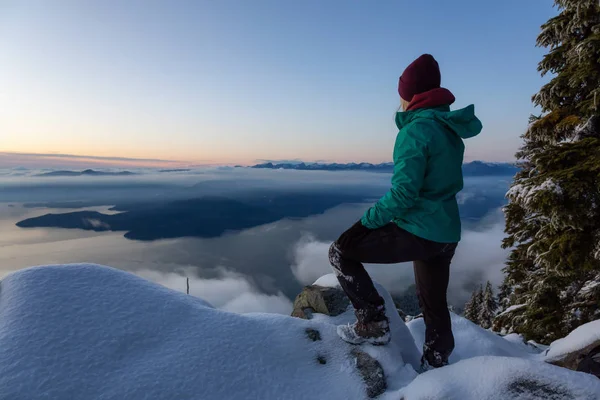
x: 463, y: 122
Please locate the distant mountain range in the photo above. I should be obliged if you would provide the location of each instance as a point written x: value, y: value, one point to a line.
x: 87, y: 172
x: 475, y: 168
x: 385, y: 167
x: 481, y: 168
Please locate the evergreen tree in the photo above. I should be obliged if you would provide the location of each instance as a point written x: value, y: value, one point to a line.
x: 472, y: 306
x: 553, y: 215
x: 487, y: 308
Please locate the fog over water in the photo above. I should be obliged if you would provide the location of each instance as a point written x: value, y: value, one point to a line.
x: 257, y: 269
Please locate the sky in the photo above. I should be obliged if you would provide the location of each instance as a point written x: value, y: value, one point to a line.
x: 232, y: 82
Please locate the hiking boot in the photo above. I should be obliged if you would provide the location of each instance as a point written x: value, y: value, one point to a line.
x: 433, y: 359
x: 374, y: 332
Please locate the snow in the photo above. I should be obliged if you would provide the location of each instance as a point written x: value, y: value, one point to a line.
x: 528, y: 346
x: 92, y: 332
x: 580, y: 338
x: 402, y: 346
x: 587, y: 129
x: 471, y: 340
x: 597, y: 251
x: 502, y: 378
x: 589, y: 286
x: 512, y: 308
x: 329, y: 280
x: 526, y: 193
x: 514, y: 338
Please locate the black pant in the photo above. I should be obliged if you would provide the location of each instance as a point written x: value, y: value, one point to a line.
x: 390, y: 245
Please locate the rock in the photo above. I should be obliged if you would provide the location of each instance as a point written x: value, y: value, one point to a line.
x: 586, y: 359
x: 321, y: 360
x: 579, y: 350
x: 319, y: 299
x: 371, y: 372
x: 304, y: 313
x: 591, y: 363
x: 313, y: 334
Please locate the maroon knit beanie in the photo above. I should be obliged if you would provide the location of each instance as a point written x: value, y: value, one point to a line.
x: 420, y: 76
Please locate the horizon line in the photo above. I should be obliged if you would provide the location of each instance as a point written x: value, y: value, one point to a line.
x: 189, y: 164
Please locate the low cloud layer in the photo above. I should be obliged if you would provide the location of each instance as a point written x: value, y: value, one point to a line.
x: 258, y: 269
x: 479, y: 258
x: 230, y: 292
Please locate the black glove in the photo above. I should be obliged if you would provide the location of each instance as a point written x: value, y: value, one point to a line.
x: 353, y: 236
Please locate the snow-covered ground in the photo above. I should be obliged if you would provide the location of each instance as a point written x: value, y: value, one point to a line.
x: 471, y: 340
x: 503, y: 378
x: 92, y: 332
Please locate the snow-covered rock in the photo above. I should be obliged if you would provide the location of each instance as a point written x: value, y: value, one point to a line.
x: 584, y: 336
x: 570, y: 351
x: 502, y: 378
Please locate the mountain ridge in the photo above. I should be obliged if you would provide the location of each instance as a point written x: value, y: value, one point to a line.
x: 87, y: 172
x: 474, y: 168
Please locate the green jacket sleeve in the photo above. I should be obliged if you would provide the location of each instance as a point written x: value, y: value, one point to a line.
x: 410, y: 161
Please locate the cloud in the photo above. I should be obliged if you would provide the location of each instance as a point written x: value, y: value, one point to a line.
x: 96, y: 223
x: 72, y: 156
x: 261, y: 256
x: 463, y: 197
x: 50, y: 160
x: 479, y: 258
x: 310, y: 260
x: 230, y: 291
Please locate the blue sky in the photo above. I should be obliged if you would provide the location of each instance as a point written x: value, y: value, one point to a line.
x: 235, y: 81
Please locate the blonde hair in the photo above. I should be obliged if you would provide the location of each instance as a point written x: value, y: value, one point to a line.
x: 404, y: 104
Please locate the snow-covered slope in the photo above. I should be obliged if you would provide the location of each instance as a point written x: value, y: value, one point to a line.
x: 93, y: 332
x: 471, y: 340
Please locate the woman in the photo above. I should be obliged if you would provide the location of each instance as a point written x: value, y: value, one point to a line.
x: 417, y: 220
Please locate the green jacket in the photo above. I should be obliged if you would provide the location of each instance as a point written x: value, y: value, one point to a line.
x: 428, y: 157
